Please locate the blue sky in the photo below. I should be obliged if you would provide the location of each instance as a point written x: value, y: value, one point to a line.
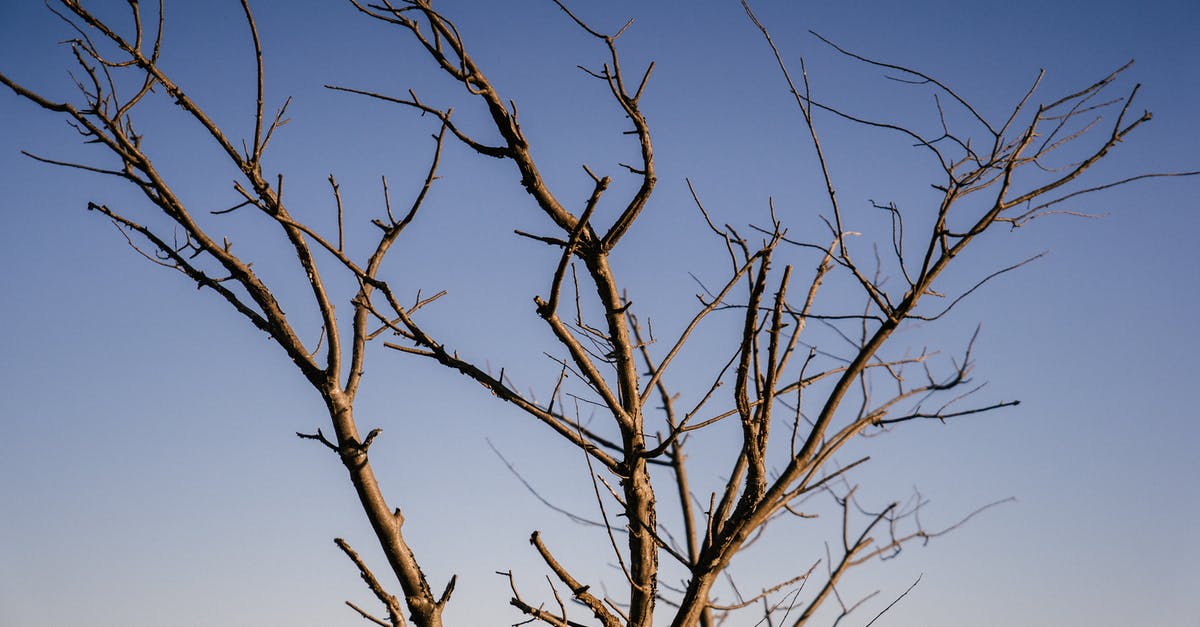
x: 148, y: 467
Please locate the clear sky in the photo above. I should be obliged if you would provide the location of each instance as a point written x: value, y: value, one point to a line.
x: 148, y: 470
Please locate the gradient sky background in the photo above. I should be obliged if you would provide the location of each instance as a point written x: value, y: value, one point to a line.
x: 148, y: 470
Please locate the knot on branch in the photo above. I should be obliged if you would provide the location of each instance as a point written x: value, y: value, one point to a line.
x: 351, y: 450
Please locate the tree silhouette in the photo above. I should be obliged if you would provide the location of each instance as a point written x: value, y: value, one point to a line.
x: 803, y: 377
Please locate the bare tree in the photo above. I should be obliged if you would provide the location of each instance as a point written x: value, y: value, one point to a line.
x: 804, y: 378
